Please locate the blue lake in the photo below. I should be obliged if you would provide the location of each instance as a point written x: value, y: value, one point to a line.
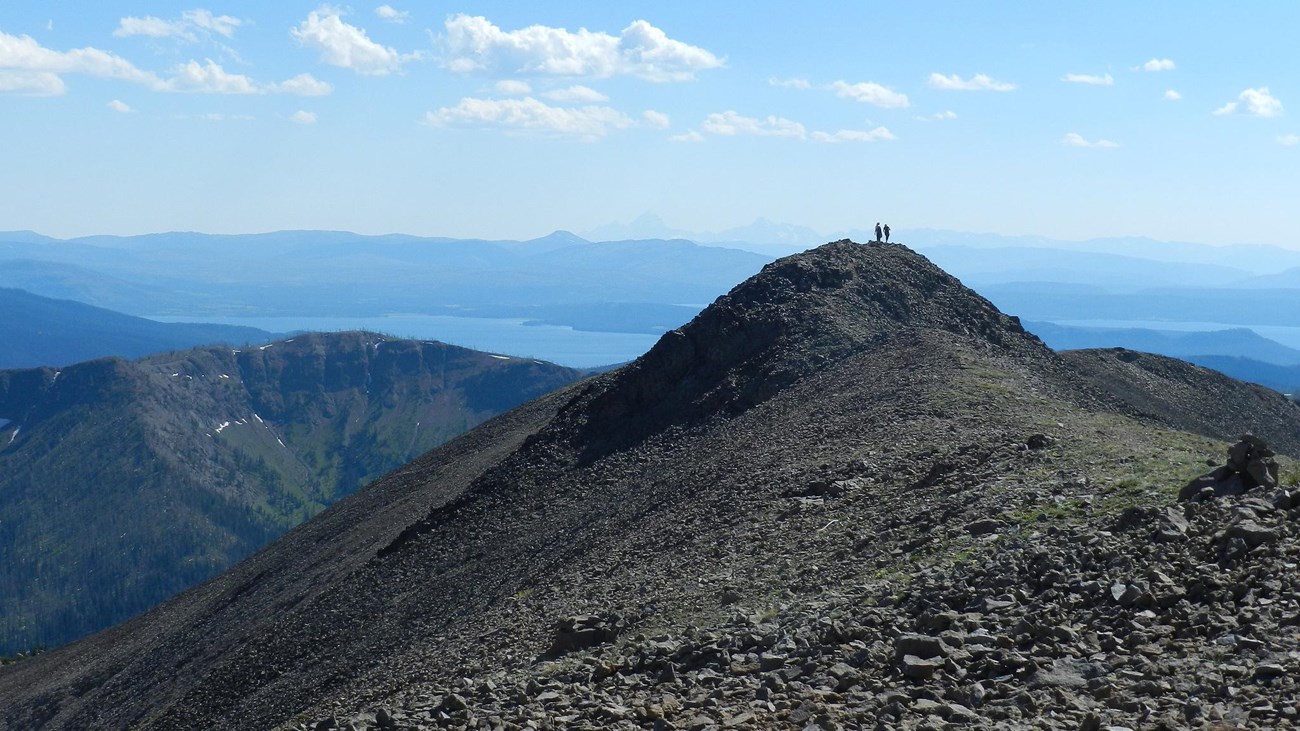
x: 558, y: 344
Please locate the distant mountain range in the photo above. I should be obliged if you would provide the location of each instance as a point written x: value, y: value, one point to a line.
x: 647, y: 276
x: 311, y: 273
x: 1237, y: 341
x: 39, y: 331
x: 123, y: 482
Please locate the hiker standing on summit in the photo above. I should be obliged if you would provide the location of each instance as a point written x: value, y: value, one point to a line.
x: 878, y: 239
x: 886, y: 234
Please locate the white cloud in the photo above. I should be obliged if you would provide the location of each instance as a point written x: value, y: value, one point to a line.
x: 153, y: 28
x: 938, y: 116
x: 182, y: 29
x: 1172, y: 95
x: 224, y: 25
x: 978, y: 82
x: 1261, y: 103
x: 730, y: 123
x: 35, y: 64
x: 208, y: 78
x: 855, y: 135
x: 303, y: 85
x: 32, y: 83
x: 789, y: 83
x: 870, y: 92
x: 1106, y: 80
x: 687, y: 136
x: 1258, y: 102
x: 1074, y: 139
x: 303, y: 117
x: 344, y: 45
x: 658, y: 120
x: 1158, y: 64
x: 531, y: 115
x: 512, y: 87
x: 473, y: 43
x: 28, y: 67
x: 391, y: 14
x: 1288, y: 140
x: 575, y: 94
x: 118, y: 105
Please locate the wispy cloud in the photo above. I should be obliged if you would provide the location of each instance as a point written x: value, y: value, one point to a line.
x: 978, y: 82
x: 789, y: 83
x: 658, y: 120
x: 303, y: 117
x: 302, y: 85
x: 473, y: 43
x: 1105, y: 80
x: 575, y: 94
x: 1258, y: 102
x: 532, y: 116
x: 1074, y: 139
x: 687, y: 136
x: 31, y: 83
x: 870, y: 92
x: 1290, y: 140
x: 208, y: 78
x: 190, y: 27
x: 344, y: 45
x: 1172, y: 95
x: 118, y: 105
x: 943, y: 116
x: 391, y: 14
x: 30, y: 67
x: 513, y: 87
x: 855, y: 135
x: 731, y: 123
x: 1159, y: 64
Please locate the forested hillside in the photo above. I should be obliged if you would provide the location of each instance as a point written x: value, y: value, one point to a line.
x: 124, y: 482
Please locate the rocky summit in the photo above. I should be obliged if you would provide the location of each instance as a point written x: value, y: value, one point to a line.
x: 849, y: 494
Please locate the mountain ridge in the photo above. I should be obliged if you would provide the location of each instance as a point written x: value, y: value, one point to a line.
x: 902, y: 408
x: 225, y: 447
x: 41, y: 331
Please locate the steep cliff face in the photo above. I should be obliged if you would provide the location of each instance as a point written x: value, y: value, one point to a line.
x: 123, y: 482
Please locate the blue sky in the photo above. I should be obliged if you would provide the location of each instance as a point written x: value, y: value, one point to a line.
x: 509, y: 120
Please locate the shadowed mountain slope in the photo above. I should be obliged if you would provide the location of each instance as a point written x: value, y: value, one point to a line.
x: 1186, y: 396
x: 800, y: 450
x: 124, y: 482
x: 38, y: 331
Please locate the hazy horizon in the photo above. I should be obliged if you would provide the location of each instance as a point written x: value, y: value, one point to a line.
x: 506, y: 121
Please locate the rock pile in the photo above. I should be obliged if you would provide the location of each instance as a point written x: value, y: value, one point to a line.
x: 1156, y: 621
x: 1250, y: 465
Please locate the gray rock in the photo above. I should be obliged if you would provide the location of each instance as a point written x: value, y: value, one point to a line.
x: 984, y: 526
x: 1252, y: 533
x: 580, y: 632
x: 920, y: 668
x: 922, y: 646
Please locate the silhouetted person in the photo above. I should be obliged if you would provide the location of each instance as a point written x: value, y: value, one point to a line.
x: 886, y: 233
x: 878, y: 231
